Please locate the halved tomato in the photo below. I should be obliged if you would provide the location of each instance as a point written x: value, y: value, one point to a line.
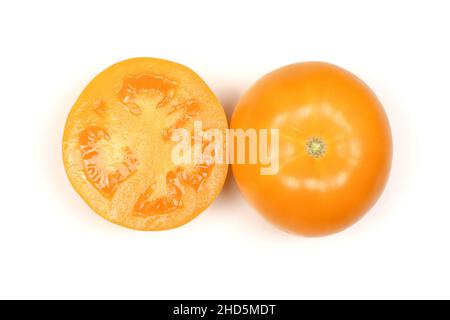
x: 335, y: 147
x: 117, y: 144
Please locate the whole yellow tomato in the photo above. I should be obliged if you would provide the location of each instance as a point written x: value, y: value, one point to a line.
x: 335, y: 147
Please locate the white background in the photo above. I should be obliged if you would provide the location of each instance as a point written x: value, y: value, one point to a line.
x: 53, y: 246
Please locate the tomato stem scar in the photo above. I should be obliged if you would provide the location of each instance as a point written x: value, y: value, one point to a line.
x: 316, y: 147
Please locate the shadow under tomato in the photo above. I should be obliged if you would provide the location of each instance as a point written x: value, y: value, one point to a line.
x: 229, y: 98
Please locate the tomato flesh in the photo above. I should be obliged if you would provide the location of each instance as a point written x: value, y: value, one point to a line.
x: 117, y: 144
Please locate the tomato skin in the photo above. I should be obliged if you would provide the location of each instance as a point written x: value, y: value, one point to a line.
x: 316, y: 195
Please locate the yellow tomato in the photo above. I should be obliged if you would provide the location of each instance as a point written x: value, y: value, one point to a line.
x: 335, y: 147
x: 117, y: 144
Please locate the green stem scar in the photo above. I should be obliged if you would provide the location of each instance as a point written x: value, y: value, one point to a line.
x: 316, y: 147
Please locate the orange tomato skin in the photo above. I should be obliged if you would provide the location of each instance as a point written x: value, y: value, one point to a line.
x: 312, y: 194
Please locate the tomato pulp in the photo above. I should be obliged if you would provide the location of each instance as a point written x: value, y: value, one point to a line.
x: 117, y: 144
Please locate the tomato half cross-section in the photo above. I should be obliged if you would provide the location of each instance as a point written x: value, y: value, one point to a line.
x: 335, y: 148
x: 118, y: 144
